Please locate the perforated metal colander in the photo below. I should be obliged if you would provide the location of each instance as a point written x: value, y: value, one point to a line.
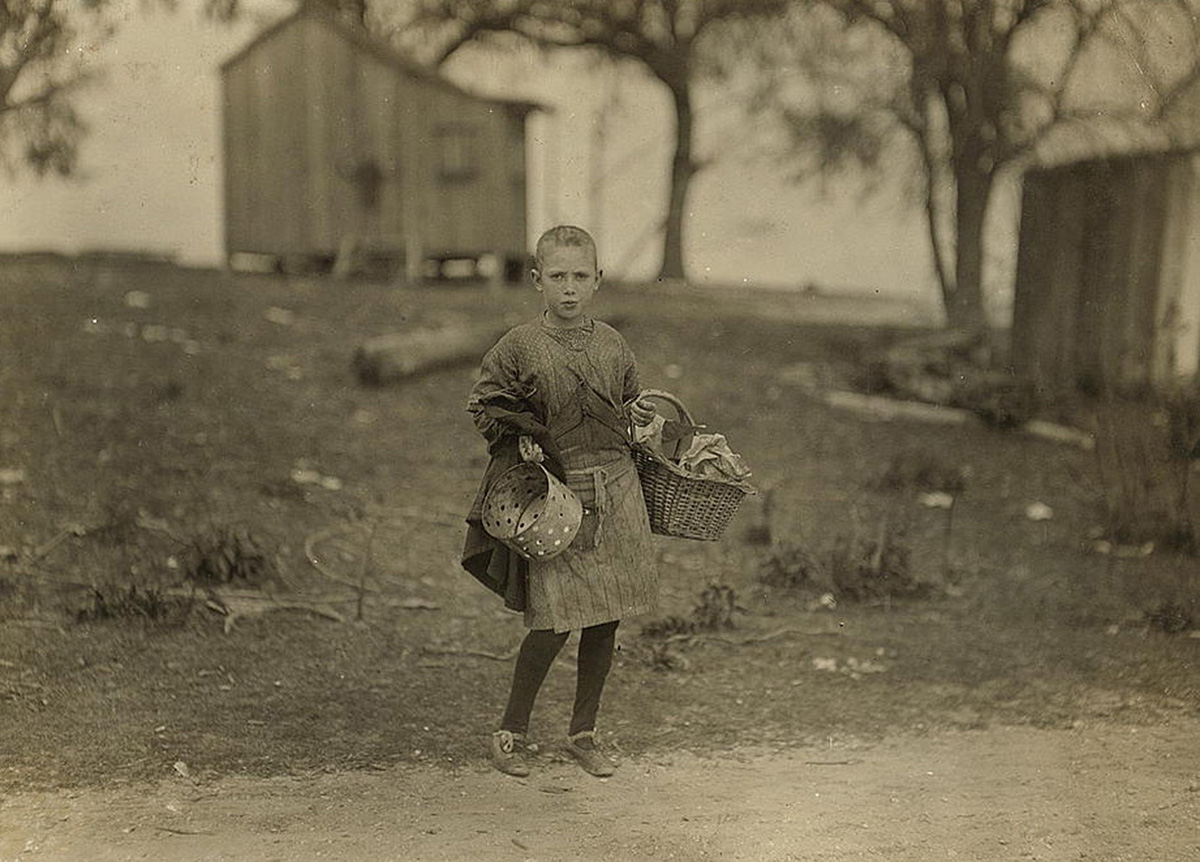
x: 532, y: 512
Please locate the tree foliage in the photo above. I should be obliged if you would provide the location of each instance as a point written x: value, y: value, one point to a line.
x: 673, y: 40
x: 957, y: 92
x: 46, y: 48
x: 43, y: 48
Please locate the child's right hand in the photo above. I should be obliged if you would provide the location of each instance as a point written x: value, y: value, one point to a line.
x: 642, y: 411
x: 530, y: 450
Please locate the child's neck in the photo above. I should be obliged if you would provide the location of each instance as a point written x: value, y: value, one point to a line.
x: 557, y: 323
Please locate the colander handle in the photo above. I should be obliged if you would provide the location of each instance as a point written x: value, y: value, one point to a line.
x: 681, y: 411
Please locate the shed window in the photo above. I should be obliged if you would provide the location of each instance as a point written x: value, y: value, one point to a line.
x: 457, y: 150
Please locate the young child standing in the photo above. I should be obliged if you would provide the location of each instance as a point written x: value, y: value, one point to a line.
x: 563, y: 390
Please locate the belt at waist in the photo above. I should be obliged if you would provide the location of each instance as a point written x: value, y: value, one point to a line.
x: 601, y: 476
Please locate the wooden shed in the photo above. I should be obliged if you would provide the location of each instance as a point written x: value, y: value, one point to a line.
x: 1107, y: 288
x: 333, y: 141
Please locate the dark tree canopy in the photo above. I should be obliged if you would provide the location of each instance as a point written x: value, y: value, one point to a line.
x: 43, y: 48
x: 41, y: 69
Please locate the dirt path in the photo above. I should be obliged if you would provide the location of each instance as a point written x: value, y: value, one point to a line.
x: 1096, y: 792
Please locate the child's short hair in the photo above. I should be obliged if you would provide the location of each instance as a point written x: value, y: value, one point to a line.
x: 564, y: 235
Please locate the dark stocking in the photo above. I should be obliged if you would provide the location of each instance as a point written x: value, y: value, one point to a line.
x: 595, y: 658
x: 537, y: 653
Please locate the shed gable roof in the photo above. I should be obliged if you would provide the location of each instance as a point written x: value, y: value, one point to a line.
x: 1121, y: 157
x: 372, y: 46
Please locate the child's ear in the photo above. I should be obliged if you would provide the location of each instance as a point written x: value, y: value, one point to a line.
x: 537, y: 278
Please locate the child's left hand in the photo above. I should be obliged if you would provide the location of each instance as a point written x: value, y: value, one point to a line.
x: 530, y: 450
x: 642, y: 411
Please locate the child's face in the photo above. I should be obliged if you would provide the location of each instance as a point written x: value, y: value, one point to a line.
x: 567, y: 279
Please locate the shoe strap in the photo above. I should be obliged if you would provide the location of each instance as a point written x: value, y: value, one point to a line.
x: 508, y: 740
x: 583, y: 734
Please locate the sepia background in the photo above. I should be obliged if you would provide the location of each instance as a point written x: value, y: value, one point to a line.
x: 938, y: 286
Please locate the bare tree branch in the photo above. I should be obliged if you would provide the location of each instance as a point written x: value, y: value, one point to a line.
x: 977, y: 98
x: 667, y: 37
x: 41, y: 72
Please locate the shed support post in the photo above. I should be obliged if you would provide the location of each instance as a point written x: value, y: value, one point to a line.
x: 414, y: 257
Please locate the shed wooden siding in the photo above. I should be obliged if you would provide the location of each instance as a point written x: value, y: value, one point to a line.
x: 265, y: 159
x: 1177, y: 356
x: 351, y: 100
x: 306, y: 106
x: 1101, y: 264
x: 485, y: 212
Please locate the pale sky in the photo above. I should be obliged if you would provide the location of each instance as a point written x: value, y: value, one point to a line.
x: 150, y: 175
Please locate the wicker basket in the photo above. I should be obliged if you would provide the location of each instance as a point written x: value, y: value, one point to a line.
x: 680, y: 503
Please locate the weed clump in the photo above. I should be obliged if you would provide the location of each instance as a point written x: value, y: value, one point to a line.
x: 1001, y: 400
x: 920, y: 471
x: 661, y: 657
x: 1171, y: 618
x: 668, y: 627
x: 227, y: 555
x: 792, y: 567
x: 713, y: 611
x: 131, y: 603
x: 870, y: 569
x: 715, y: 608
x: 853, y: 568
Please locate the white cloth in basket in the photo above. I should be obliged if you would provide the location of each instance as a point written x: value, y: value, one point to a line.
x: 710, y: 457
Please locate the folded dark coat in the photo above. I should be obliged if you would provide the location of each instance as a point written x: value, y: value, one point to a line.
x: 490, y: 561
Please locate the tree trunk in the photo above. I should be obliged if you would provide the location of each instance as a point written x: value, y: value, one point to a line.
x: 933, y: 223
x: 682, y: 169
x: 964, y: 307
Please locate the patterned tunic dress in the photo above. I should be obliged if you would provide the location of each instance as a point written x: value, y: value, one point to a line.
x: 579, y: 380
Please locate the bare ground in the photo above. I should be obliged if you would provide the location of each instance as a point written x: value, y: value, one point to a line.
x: 1024, y: 708
x: 1093, y: 792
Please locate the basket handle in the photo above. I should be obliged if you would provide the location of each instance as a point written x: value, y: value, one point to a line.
x: 684, y: 414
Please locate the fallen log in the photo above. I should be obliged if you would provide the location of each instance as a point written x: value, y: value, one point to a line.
x: 398, y: 356
x: 235, y: 605
x: 886, y: 409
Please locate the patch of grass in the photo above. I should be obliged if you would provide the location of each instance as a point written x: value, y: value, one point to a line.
x: 1142, y: 473
x: 792, y: 567
x: 918, y: 470
x: 866, y: 569
x: 854, y: 567
x: 713, y: 611
x: 1171, y: 617
x: 659, y: 656
x: 285, y: 693
x: 668, y: 626
x: 1001, y: 400
x: 124, y: 604
x: 223, y: 554
x: 119, y: 526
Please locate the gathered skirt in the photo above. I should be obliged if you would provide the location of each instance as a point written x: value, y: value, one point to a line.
x: 610, y: 571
